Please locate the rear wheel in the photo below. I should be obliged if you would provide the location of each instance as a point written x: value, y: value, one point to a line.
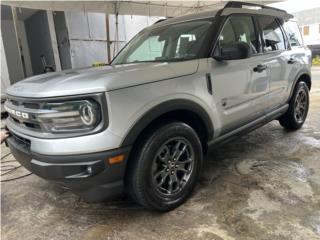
x: 165, y: 166
x: 296, y: 115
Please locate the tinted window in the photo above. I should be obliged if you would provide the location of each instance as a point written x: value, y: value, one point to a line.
x: 272, y: 34
x: 184, y: 42
x: 239, y: 29
x: 293, y: 33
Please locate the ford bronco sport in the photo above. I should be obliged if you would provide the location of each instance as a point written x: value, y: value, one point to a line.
x: 142, y: 124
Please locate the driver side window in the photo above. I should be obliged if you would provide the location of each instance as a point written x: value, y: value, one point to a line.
x: 239, y: 29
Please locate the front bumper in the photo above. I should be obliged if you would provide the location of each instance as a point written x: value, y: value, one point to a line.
x: 89, y: 175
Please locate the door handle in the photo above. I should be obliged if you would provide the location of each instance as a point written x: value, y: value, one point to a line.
x: 224, y: 102
x: 292, y: 61
x: 260, y: 68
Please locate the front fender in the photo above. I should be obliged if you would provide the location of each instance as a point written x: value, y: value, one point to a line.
x: 163, y: 108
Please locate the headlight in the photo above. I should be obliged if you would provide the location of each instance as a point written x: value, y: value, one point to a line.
x: 71, y: 116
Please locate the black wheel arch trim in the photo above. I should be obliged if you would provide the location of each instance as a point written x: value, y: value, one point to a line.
x: 300, y: 73
x: 164, y: 108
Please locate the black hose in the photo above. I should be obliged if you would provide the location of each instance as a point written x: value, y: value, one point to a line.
x: 9, y: 168
x: 5, y: 155
x: 12, y: 179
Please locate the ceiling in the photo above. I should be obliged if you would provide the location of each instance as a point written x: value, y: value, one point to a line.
x: 132, y: 7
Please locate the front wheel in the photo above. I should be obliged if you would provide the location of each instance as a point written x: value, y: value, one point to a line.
x: 296, y: 115
x: 165, y: 166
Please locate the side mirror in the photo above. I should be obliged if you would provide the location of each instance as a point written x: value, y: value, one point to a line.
x: 235, y: 51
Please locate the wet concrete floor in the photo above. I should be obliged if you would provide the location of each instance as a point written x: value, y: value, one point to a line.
x: 265, y: 186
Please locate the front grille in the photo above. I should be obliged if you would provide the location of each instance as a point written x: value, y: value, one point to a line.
x: 24, y: 103
x: 24, y: 106
x: 25, y: 123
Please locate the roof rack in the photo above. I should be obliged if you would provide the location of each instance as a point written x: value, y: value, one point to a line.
x: 235, y: 4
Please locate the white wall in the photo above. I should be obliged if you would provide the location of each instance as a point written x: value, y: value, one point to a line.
x: 311, y: 18
x: 128, y: 27
x: 87, y: 34
x: 314, y: 34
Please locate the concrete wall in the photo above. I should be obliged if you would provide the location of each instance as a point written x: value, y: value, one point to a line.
x: 81, y: 39
x: 87, y: 35
x: 39, y: 41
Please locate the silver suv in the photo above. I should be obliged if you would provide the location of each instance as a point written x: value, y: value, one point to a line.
x: 142, y: 124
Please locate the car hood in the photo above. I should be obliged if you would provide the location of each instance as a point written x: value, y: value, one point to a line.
x: 99, y: 79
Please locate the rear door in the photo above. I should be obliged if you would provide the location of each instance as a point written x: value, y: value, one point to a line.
x: 276, y: 59
x: 240, y: 92
x: 295, y: 52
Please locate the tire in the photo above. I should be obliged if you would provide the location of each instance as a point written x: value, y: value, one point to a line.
x: 153, y: 163
x: 296, y: 115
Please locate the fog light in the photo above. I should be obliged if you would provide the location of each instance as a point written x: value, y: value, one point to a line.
x: 89, y: 170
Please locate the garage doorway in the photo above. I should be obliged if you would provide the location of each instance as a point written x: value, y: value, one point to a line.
x: 39, y: 42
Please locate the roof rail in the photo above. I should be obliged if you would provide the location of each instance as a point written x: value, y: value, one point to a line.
x: 235, y: 4
x: 161, y: 20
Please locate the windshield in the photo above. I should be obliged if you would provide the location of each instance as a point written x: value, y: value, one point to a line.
x: 176, y: 42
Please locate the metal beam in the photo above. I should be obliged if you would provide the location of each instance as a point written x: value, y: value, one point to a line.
x: 108, y: 38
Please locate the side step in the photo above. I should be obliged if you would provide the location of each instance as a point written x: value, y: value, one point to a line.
x: 249, y: 126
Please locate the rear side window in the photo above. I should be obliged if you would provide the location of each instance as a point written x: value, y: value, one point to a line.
x: 272, y: 34
x: 293, y: 33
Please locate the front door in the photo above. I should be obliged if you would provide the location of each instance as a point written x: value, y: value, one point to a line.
x: 240, y: 89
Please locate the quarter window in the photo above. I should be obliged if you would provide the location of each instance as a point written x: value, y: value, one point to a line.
x: 272, y: 34
x: 239, y: 29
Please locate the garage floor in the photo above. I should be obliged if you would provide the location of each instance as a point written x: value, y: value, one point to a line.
x: 265, y: 185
